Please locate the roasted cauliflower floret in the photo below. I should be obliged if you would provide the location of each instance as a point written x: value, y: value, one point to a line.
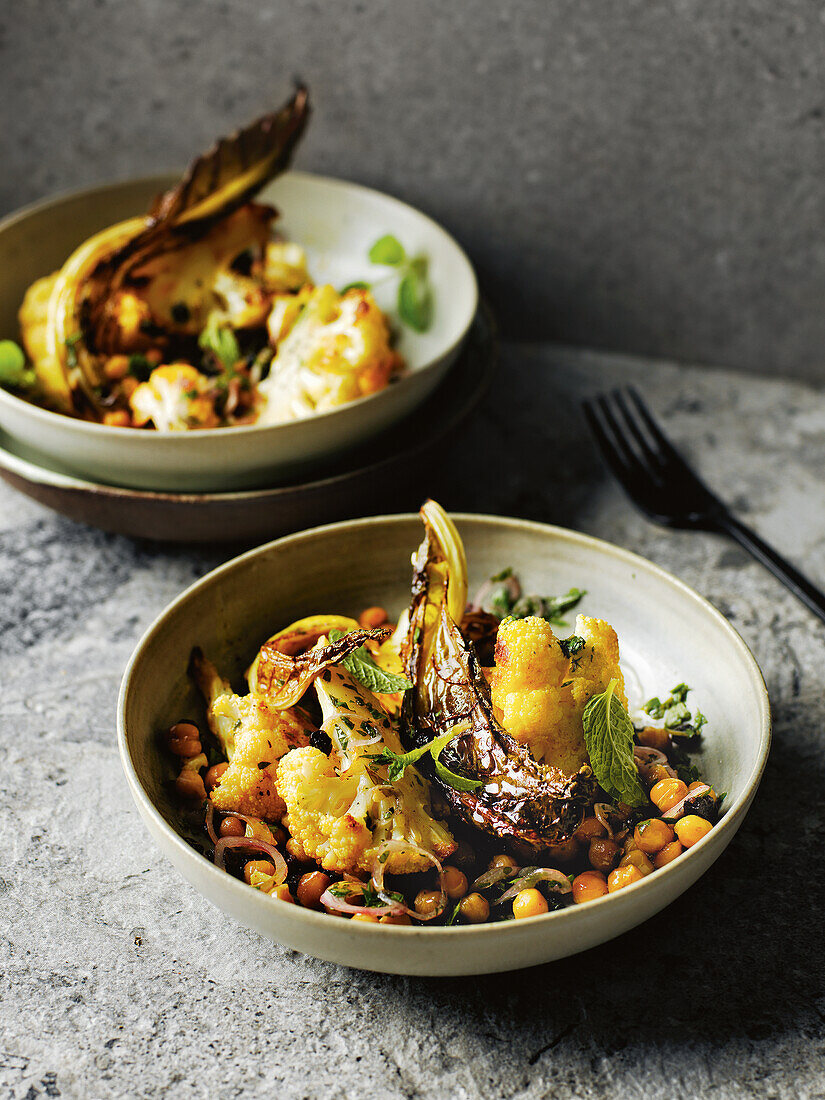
x: 336, y: 351
x: 342, y: 808
x: 539, y: 693
x: 33, y: 317
x: 176, y: 397
x: 253, y: 738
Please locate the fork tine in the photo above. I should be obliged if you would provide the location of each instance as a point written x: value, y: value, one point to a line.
x: 620, y: 436
x: 654, y: 458
x: 661, y: 440
x: 612, y: 456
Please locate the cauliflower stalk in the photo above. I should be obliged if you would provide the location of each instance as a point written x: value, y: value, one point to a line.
x: 253, y: 738
x: 540, y: 687
x: 342, y: 808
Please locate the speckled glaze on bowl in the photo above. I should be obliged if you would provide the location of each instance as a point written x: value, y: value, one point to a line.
x: 336, y: 222
x: 668, y: 633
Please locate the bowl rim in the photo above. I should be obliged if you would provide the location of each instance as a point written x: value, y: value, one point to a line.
x: 729, y: 822
x: 20, y: 406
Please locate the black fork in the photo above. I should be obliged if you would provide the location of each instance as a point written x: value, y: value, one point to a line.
x: 659, y: 481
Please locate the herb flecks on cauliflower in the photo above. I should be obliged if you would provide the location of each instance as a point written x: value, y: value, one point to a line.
x: 253, y: 738
x: 342, y: 808
x: 539, y: 692
x: 337, y: 350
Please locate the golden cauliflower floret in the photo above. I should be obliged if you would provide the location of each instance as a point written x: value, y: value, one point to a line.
x: 539, y: 694
x: 338, y: 349
x: 176, y: 397
x: 317, y: 816
x: 253, y: 737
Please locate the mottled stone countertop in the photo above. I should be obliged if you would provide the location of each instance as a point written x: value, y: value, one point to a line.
x: 117, y: 979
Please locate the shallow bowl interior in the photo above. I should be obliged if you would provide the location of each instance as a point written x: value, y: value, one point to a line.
x: 337, y: 222
x: 667, y: 634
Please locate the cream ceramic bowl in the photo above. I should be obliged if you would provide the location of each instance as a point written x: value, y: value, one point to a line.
x: 667, y: 634
x: 337, y: 223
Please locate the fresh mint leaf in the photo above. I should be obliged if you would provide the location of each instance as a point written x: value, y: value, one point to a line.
x: 608, y: 736
x: 221, y: 341
x: 388, y: 250
x: 550, y: 608
x: 415, y: 300
x: 361, y: 665
x: 675, y: 715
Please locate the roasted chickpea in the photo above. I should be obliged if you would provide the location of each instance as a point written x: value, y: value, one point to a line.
x: 667, y: 793
x: 213, y: 776
x: 588, y: 886
x: 657, y: 773
x: 116, y: 367
x: 637, y: 859
x: 653, y: 737
x: 368, y: 918
x: 652, y: 835
x: 117, y: 418
x: 282, y: 894
x: 691, y: 829
x: 295, y: 850
x: 563, y: 852
x: 153, y: 357
x: 402, y: 919
x: 428, y: 903
x: 232, y: 826
x: 372, y: 617
x: 622, y: 876
x: 589, y: 829
x: 529, y: 903
x: 455, y: 883
x: 185, y: 731
x: 185, y: 749
x: 262, y: 866
x: 128, y: 386
x: 189, y: 785
x: 603, y: 853
x: 503, y: 861
x: 474, y: 908
x: 310, y: 888
x: 668, y: 854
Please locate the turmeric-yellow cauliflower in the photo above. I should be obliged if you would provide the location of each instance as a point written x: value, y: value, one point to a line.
x: 539, y: 693
x: 337, y: 350
x: 254, y: 738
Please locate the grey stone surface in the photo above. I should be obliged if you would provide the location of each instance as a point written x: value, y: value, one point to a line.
x: 118, y: 980
x: 626, y: 174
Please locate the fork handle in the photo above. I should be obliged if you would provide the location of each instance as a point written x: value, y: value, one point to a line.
x: 801, y: 587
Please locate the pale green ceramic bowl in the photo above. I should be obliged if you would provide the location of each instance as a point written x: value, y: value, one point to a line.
x: 667, y: 634
x: 336, y: 222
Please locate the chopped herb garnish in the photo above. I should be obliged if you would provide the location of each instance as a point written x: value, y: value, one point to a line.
x: 572, y: 645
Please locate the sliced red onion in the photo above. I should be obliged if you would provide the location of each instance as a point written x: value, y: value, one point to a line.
x: 210, y: 821
x: 510, y: 583
x: 385, y: 850
x: 531, y: 877
x: 340, y: 905
x: 493, y: 877
x: 601, y: 810
x: 648, y: 755
x: 250, y: 843
x: 677, y: 811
